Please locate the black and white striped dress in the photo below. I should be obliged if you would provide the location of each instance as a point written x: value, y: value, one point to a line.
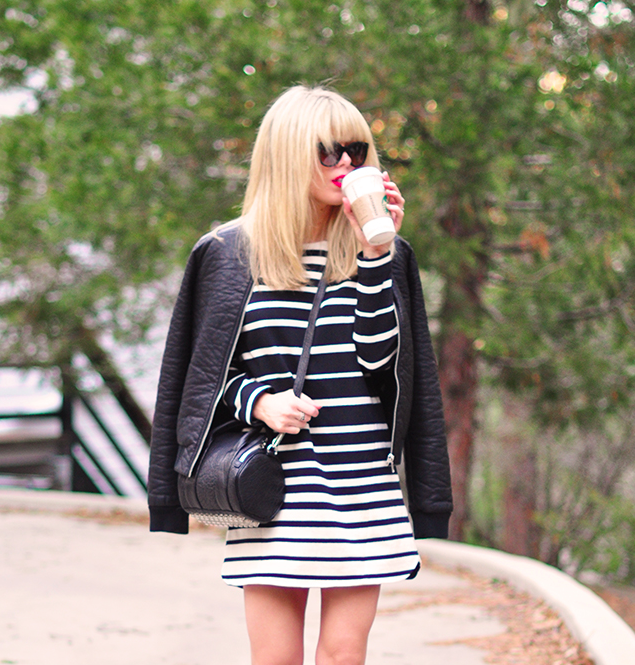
x: 343, y: 522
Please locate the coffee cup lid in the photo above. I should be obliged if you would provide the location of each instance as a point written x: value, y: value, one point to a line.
x: 362, y: 172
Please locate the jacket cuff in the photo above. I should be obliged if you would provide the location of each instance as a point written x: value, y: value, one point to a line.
x: 430, y: 525
x: 172, y: 519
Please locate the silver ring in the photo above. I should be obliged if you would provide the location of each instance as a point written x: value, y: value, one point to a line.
x: 302, y: 416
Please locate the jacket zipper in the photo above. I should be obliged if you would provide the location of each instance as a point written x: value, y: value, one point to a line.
x: 208, y: 425
x: 390, y: 460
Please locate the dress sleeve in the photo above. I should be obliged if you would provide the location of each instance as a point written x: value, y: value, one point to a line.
x: 241, y: 392
x: 375, y: 328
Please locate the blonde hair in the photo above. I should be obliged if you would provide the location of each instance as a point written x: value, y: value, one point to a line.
x: 277, y: 209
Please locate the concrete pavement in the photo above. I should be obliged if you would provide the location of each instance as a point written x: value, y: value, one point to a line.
x: 77, y: 591
x: 83, y: 582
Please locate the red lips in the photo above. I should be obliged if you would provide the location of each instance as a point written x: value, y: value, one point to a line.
x: 338, y: 181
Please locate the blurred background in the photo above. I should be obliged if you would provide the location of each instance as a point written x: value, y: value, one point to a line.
x: 510, y: 127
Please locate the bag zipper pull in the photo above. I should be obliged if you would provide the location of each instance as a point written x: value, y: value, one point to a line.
x: 390, y: 461
x: 272, y: 446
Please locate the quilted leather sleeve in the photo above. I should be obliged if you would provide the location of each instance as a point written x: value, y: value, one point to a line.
x: 165, y: 510
x: 426, y: 455
x: 203, y: 328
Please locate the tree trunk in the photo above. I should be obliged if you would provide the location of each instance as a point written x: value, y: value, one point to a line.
x: 520, y: 532
x: 458, y: 378
x: 458, y: 371
x: 458, y: 374
x: 478, y: 11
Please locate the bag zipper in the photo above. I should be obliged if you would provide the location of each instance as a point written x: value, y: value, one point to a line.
x: 248, y: 452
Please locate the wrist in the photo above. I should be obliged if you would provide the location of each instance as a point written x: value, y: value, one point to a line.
x: 259, y: 407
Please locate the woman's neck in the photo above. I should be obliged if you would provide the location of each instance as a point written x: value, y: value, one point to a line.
x: 322, y: 216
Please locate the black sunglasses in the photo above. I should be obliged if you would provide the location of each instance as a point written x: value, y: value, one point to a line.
x: 357, y: 151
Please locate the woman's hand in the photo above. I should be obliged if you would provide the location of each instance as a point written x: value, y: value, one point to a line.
x: 284, y: 412
x: 395, y: 205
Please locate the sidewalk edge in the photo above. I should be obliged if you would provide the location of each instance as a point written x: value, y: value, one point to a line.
x: 606, y: 637
x: 52, y: 501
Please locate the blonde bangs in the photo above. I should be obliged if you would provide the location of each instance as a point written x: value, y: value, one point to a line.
x: 277, y: 211
x: 341, y: 122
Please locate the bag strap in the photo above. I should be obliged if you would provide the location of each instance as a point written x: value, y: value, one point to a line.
x: 303, y: 363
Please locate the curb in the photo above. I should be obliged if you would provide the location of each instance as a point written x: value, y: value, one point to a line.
x: 606, y: 637
x: 52, y: 501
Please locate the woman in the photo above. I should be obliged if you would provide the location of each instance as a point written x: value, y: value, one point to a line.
x: 370, y: 394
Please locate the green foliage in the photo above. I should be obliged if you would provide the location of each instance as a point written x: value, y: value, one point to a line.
x: 578, y: 482
x: 510, y: 134
x: 148, y: 113
x: 599, y: 538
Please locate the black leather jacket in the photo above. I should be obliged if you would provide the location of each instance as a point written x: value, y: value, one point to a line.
x: 203, y: 333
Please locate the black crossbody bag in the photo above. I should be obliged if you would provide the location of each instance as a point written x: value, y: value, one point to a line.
x: 238, y: 480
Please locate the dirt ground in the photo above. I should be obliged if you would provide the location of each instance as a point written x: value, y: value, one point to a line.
x: 621, y: 599
x: 536, y: 635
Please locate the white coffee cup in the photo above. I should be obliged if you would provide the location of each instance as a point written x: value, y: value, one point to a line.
x: 364, y: 188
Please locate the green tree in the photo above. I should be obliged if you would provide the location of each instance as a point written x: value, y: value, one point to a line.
x: 507, y: 126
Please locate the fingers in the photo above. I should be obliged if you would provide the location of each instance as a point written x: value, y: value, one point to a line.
x: 297, y: 412
x: 306, y: 409
x: 295, y: 419
x: 310, y: 408
x: 284, y: 412
x: 396, y: 201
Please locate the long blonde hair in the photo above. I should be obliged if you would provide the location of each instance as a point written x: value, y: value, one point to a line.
x: 277, y: 210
